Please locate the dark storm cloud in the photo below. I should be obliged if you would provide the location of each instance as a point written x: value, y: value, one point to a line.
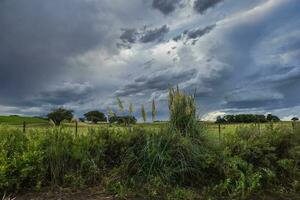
x: 202, y: 5
x: 156, y: 82
x: 165, y: 6
x: 194, y: 33
x: 65, y: 93
x: 199, y: 32
x: 129, y: 35
x: 143, y: 35
x: 154, y: 34
x: 37, y: 38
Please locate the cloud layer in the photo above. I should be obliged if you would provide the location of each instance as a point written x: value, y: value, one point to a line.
x: 238, y: 56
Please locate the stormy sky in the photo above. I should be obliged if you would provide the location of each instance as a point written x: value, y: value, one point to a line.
x: 236, y: 56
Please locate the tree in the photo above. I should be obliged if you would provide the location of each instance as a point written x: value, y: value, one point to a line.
x: 81, y: 119
x: 95, y: 116
x: 144, y: 114
x: 122, y: 119
x: 272, y: 118
x: 220, y: 120
x: 59, y: 115
x: 295, y: 119
x: 245, y: 118
x: 154, y: 112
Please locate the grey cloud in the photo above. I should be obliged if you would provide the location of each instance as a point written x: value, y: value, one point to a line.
x: 156, y: 82
x: 154, y: 34
x: 129, y: 35
x: 202, y: 5
x: 38, y: 38
x: 65, y: 93
x: 143, y: 35
x: 200, y: 32
x: 194, y: 34
x: 165, y: 6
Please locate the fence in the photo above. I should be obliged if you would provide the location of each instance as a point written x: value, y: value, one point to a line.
x: 25, y: 126
x: 222, y: 129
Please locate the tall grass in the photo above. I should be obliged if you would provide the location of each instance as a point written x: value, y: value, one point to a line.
x: 182, y: 110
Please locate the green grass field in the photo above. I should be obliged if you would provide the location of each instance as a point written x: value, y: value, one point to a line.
x: 18, y: 120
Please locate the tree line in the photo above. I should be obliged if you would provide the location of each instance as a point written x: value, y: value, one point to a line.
x: 247, y: 118
x: 57, y: 116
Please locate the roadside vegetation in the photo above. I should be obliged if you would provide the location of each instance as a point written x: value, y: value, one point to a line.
x: 180, y: 160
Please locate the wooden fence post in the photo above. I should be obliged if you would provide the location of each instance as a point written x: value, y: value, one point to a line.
x: 219, y: 133
x: 271, y: 125
x: 293, y: 125
x: 24, y: 127
x: 76, y: 128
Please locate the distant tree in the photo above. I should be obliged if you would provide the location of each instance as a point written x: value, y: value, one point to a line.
x: 95, y: 116
x: 122, y: 119
x: 261, y: 118
x: 230, y: 118
x: 295, y: 119
x: 272, y: 118
x: 154, y: 112
x: 59, y: 115
x: 81, y: 119
x: 245, y: 118
x: 144, y: 114
x: 269, y: 117
x: 220, y: 120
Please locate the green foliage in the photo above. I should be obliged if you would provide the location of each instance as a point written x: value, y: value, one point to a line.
x: 272, y: 118
x: 59, y: 115
x: 242, y: 118
x: 123, y: 120
x: 182, y: 110
x: 160, y: 163
x: 95, y: 116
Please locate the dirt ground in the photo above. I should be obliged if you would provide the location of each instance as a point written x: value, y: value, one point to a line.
x: 89, y: 194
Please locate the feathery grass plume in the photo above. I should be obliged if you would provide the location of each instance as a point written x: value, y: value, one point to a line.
x: 120, y: 104
x: 144, y: 114
x: 154, y: 112
x: 110, y: 112
x: 51, y: 122
x: 131, y: 109
x: 182, y: 108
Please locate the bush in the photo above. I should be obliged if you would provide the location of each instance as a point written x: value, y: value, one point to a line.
x: 153, y: 163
